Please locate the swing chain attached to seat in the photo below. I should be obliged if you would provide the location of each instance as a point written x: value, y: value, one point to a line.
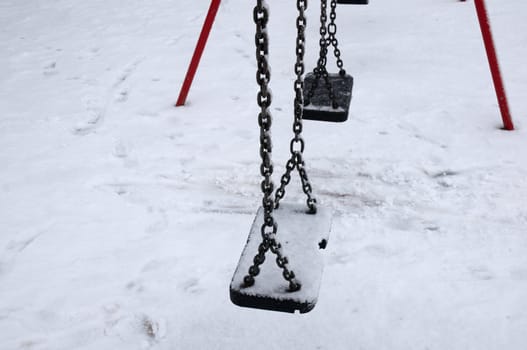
x: 320, y: 70
x: 332, y: 38
x: 297, y: 144
x: 269, y: 227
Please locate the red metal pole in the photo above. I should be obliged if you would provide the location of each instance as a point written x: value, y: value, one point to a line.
x: 493, y: 62
x: 200, y: 46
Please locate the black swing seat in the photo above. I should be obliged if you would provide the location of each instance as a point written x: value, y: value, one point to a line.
x: 353, y: 2
x: 320, y: 107
x: 302, y: 236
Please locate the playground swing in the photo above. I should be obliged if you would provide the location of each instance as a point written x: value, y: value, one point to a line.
x: 302, y: 231
x: 328, y: 95
x: 353, y: 2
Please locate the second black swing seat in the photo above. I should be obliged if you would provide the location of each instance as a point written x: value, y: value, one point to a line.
x: 320, y: 107
x: 327, y: 96
x: 353, y: 2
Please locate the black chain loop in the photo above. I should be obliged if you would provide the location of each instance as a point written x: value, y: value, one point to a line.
x: 263, y: 76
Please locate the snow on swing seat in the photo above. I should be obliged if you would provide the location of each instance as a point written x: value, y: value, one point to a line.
x: 302, y: 237
x: 320, y: 107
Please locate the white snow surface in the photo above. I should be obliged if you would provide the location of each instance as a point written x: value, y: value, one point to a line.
x: 122, y: 218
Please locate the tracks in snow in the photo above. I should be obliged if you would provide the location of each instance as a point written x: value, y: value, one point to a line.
x: 98, y: 111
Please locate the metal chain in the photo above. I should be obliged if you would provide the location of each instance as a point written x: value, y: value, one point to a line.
x: 332, y: 38
x: 297, y: 144
x: 269, y: 227
x: 320, y: 70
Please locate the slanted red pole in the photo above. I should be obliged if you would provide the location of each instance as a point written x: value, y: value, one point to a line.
x: 200, y: 46
x: 493, y: 62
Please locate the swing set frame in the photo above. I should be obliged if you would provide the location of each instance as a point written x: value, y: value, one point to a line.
x: 486, y: 33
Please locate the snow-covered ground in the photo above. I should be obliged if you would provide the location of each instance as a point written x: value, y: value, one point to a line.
x: 122, y: 218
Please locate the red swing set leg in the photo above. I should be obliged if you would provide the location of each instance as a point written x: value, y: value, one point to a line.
x: 494, y: 65
x: 200, y: 46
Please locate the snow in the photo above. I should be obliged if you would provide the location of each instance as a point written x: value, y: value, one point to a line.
x: 123, y: 218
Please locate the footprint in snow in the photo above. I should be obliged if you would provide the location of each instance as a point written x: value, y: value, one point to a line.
x: 377, y: 250
x: 401, y: 224
x: 97, y: 110
x: 442, y: 174
x: 16, y: 247
x: 243, y: 53
x: 135, y: 286
x: 50, y: 69
x: 95, y: 116
x: 152, y: 265
x: 433, y: 228
x: 142, y: 328
x: 122, y: 96
x: 341, y: 258
x: 160, y: 224
x: 111, y: 309
x: 122, y: 151
x: 154, y: 329
x: 481, y: 273
x: 519, y: 274
x: 192, y: 286
x: 30, y: 344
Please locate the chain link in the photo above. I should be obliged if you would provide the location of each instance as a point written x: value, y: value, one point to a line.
x: 332, y: 38
x: 269, y: 227
x: 297, y: 143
